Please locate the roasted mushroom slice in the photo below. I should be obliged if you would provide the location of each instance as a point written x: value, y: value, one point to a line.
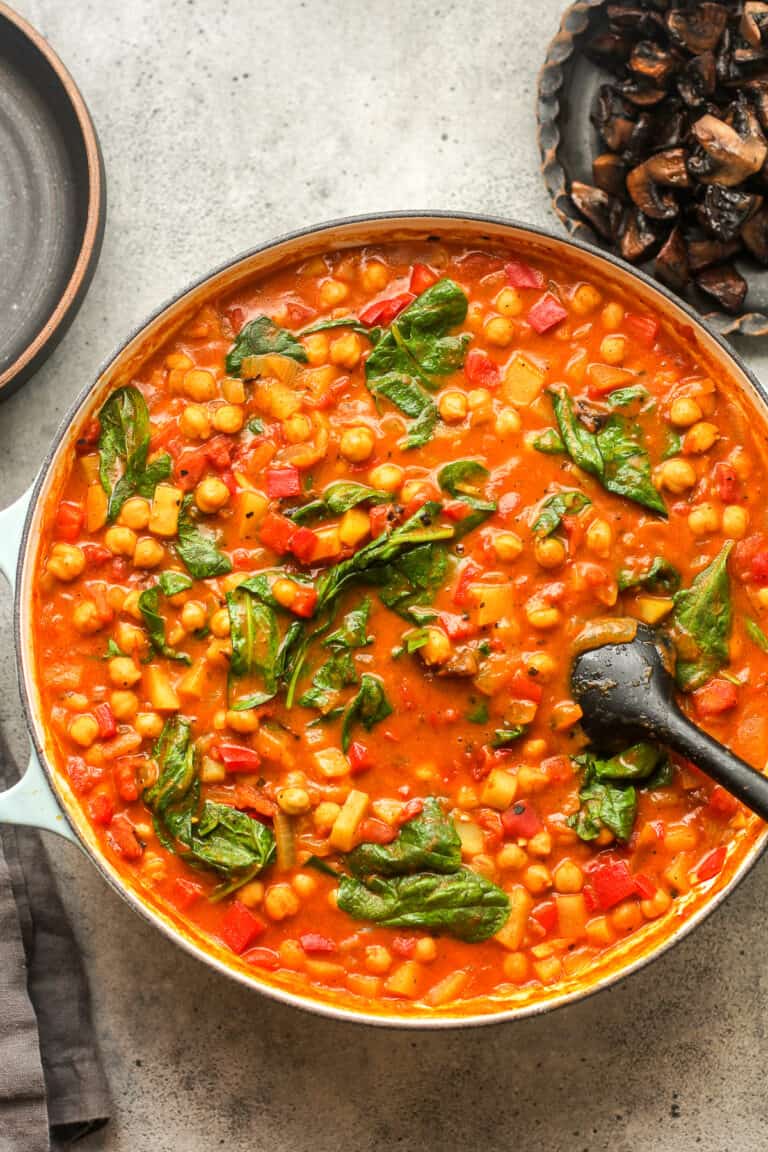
x: 725, y: 284
x: 635, y: 18
x: 703, y: 252
x: 609, y: 172
x: 653, y: 63
x: 670, y: 125
x: 698, y: 27
x: 758, y: 94
x: 648, y: 196
x: 755, y: 235
x: 463, y: 662
x: 604, y: 212
x: 638, y: 236
x: 639, y: 143
x: 754, y: 23
x: 724, y: 211
x: 609, y: 48
x: 640, y: 92
x: 671, y: 265
x: 697, y: 80
x: 613, y: 118
x: 734, y: 158
x: 668, y: 167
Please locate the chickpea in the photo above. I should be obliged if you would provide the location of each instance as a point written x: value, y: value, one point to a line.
x: 199, y: 385
x: 542, y: 665
x: 542, y: 616
x: 509, y: 302
x: 131, y: 605
x: 285, y: 592
x: 425, y: 951
x: 333, y: 292
x: 84, y: 730
x: 704, y: 519
x: 280, y: 902
x: 86, y: 618
x: 700, y: 438
x: 324, y: 816
x: 357, y: 443
x: 453, y: 407
x: 193, y: 616
x: 499, y: 330
x: 220, y: 623
x: 120, y: 541
x: 600, y: 538
x: 149, y: 553
x: 378, y: 959
x: 507, y: 545
x: 66, y: 562
x: 537, y: 878
x: 297, y: 428
x: 251, y: 894
x: 540, y: 844
x: 149, y: 724
x: 374, y: 276
x: 508, y: 423
x: 568, y: 877
x: 124, y: 704
x: 612, y: 349
x: 211, y: 494
x: 511, y: 857
x: 438, y: 647
x: 229, y: 418
x: 550, y: 552
x: 304, y: 884
x: 134, y: 513
x: 585, y: 299
x: 386, y: 477
x: 612, y: 315
x: 627, y: 916
x: 684, y: 411
x: 474, y: 320
x: 123, y: 671
x: 294, y: 801
x: 735, y: 521
x: 245, y: 721
x: 515, y: 967
x: 316, y: 347
x: 677, y: 475
x: 346, y: 350
x: 480, y: 404
x: 657, y: 905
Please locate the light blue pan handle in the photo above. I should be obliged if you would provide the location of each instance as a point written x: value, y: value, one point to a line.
x: 31, y: 800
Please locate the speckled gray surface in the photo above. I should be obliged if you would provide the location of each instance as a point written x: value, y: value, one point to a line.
x: 222, y: 124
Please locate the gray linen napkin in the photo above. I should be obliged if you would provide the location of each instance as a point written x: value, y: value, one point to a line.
x: 51, y: 1078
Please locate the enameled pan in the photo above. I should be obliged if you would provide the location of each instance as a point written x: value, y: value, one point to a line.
x: 43, y: 797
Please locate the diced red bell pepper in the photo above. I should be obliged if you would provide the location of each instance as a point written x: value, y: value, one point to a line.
x: 69, y: 520
x: 726, y: 480
x: 283, y: 482
x: 523, y: 687
x: 409, y: 811
x: 520, y: 275
x: 184, y: 893
x: 558, y: 768
x: 721, y: 802
x: 383, y: 312
x: 590, y: 898
x: 480, y: 370
x: 646, y: 889
x: 457, y: 627
x: 238, y: 757
x: 404, y: 946
x: 124, y: 775
x: 239, y: 927
x: 262, y: 958
x: 379, y: 518
x: 243, y: 560
x: 218, y: 453
x: 422, y: 277
x: 546, y: 313
x: 102, y: 809
x: 88, y: 437
x: 545, y: 914
x: 455, y: 510
x: 521, y: 820
x: 106, y: 721
x: 612, y: 883
x: 644, y: 329
x: 508, y: 505
x: 189, y: 467
x: 236, y: 318
x: 359, y: 757
x: 82, y: 776
x: 315, y: 944
x: 277, y: 532
x: 96, y: 555
x: 716, y: 696
x: 469, y: 571
x: 491, y: 823
x: 122, y: 838
x: 711, y: 864
x: 299, y: 313
x: 750, y: 558
x: 303, y: 544
x: 250, y: 799
x: 304, y: 602
x: 373, y: 831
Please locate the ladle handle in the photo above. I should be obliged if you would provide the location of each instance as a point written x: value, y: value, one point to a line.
x: 735, y: 775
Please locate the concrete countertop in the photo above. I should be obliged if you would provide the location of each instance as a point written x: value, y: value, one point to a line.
x: 224, y: 122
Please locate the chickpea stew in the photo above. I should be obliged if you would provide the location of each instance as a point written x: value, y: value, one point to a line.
x: 308, y: 599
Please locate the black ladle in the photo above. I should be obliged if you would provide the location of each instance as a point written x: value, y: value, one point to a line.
x: 625, y: 692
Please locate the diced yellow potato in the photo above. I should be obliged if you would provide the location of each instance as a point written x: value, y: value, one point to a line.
x: 492, y: 601
x: 328, y: 542
x: 362, y: 985
x: 606, y: 376
x: 405, y: 980
x: 212, y: 771
x: 571, y: 915
x: 274, y: 398
x: 520, y: 711
x: 495, y: 674
x: 325, y: 970
x: 192, y: 682
x: 471, y: 836
x: 332, y: 763
x: 89, y: 467
x: 233, y: 390
x: 275, y: 744
x: 160, y: 692
x: 164, y: 514
x: 500, y: 789
x: 354, y: 527
x: 448, y: 989
x: 95, y: 507
x: 346, y: 823
x: 523, y: 381
x: 652, y: 609
x: 520, y: 904
x: 676, y: 875
x: 251, y: 509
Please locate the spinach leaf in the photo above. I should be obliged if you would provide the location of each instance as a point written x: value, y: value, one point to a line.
x: 636, y: 763
x: 607, y: 799
x: 503, y: 737
x: 256, y: 425
x: 460, y: 480
x: 171, y: 583
x: 660, y: 577
x: 196, y: 548
x: 406, y: 395
x: 338, y: 498
x: 464, y: 904
x: 230, y: 841
x: 604, y: 805
x: 353, y: 632
x: 623, y: 397
x: 123, y: 449
x: 148, y: 480
x: 113, y: 649
x: 408, y: 585
x: 368, y: 707
x: 549, y: 442
x: 614, y: 455
x: 673, y: 443
x: 340, y: 322
x: 478, y: 713
x: 255, y: 639
x: 554, y: 508
x: 175, y: 756
x: 149, y: 605
x: 702, y: 623
x: 427, y: 843
x: 337, y: 673
x: 262, y: 337
x: 755, y: 633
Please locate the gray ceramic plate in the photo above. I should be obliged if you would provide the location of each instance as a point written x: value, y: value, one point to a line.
x: 568, y: 143
x: 52, y: 200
